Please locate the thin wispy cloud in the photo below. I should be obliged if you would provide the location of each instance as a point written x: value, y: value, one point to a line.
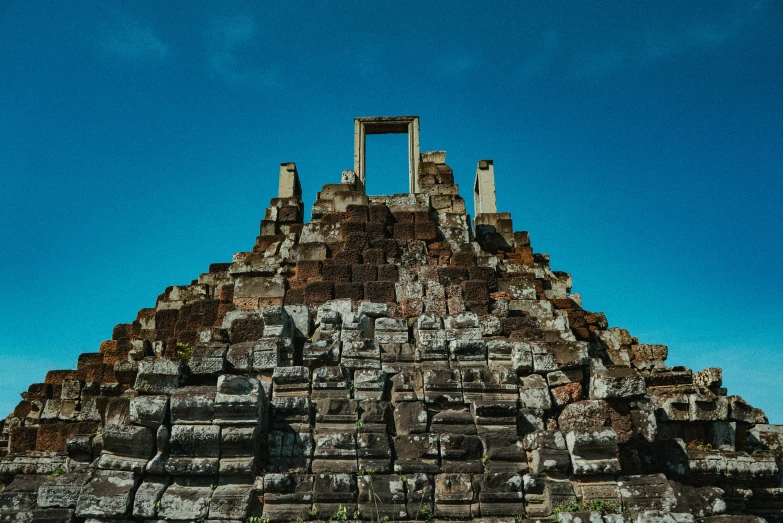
x: 230, y: 44
x: 636, y: 47
x: 126, y: 37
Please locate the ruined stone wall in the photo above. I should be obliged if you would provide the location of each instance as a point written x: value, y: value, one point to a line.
x: 382, y: 362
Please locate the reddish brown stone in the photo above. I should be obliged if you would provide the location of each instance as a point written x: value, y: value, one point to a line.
x: 215, y: 268
x: 411, y: 307
x: 294, y: 297
x: 581, y: 334
x: 308, y: 269
x: 463, y: 259
x: 354, y: 291
x: 223, y: 309
x: 475, y: 291
x: 263, y: 242
x: 488, y: 274
x: 336, y: 273
x: 289, y: 213
x: 374, y: 256
x: 362, y: 273
x: 596, y: 319
x: 351, y: 227
x: 22, y: 439
x: 348, y: 256
x: 439, y: 249
x: 404, y: 217
x: 388, y: 245
x: 356, y: 213
x: 451, y: 275
x: 165, y: 319
x: 379, y: 213
x: 226, y: 293
x: 52, y: 437
x: 333, y: 217
x: 208, y: 309
x: 319, y: 292
x: 92, y: 372
x: 426, y: 231
x: 421, y: 217
x: 576, y: 319
x: 356, y: 240
x: 404, y: 231
x: 56, y: 377
x: 568, y: 393
x: 478, y: 307
x: 22, y: 409
x: 247, y: 329
x: 375, y: 231
x: 295, y: 228
x: 591, y: 414
x: 388, y: 272
x: 379, y: 291
x: 121, y: 332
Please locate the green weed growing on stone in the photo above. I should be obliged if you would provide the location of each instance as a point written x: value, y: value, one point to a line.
x: 341, y: 514
x: 59, y: 471
x: 313, y: 512
x: 185, y: 351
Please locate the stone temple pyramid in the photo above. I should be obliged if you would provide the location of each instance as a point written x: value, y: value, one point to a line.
x: 391, y: 360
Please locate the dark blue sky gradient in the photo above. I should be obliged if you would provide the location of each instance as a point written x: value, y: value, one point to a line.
x: 641, y: 146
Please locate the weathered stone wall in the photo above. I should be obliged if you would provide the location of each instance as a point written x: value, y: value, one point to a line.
x: 383, y: 362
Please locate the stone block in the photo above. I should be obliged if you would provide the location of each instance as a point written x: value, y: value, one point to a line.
x: 109, y: 494
x: 62, y: 491
x: 382, y: 497
x: 461, y: 453
x: 331, y: 382
x: 593, y: 452
x: 374, y: 453
x: 159, y: 375
x: 259, y: 287
x: 289, y: 451
x: 186, y: 501
x: 191, y: 405
x: 505, y: 453
x: 501, y: 494
x: 619, y: 382
x: 239, y: 400
x: 334, y: 495
x: 231, y: 500
x: 194, y: 449
x: 416, y: 453
x: 290, y: 381
x: 361, y: 354
x: 707, y: 407
x: 455, y: 497
x: 147, y: 499
x: 335, y: 453
x: 534, y: 393
x: 443, y: 387
x: 150, y: 411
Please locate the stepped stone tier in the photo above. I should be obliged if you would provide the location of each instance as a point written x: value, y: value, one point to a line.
x: 390, y: 360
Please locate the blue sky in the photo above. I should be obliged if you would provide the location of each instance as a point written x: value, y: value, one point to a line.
x: 640, y: 145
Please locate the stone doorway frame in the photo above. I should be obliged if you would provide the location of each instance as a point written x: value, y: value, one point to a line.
x: 387, y: 125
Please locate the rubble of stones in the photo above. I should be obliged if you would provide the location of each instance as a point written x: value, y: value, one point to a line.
x: 384, y: 362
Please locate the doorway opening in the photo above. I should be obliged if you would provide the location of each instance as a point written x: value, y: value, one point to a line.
x: 386, y: 164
